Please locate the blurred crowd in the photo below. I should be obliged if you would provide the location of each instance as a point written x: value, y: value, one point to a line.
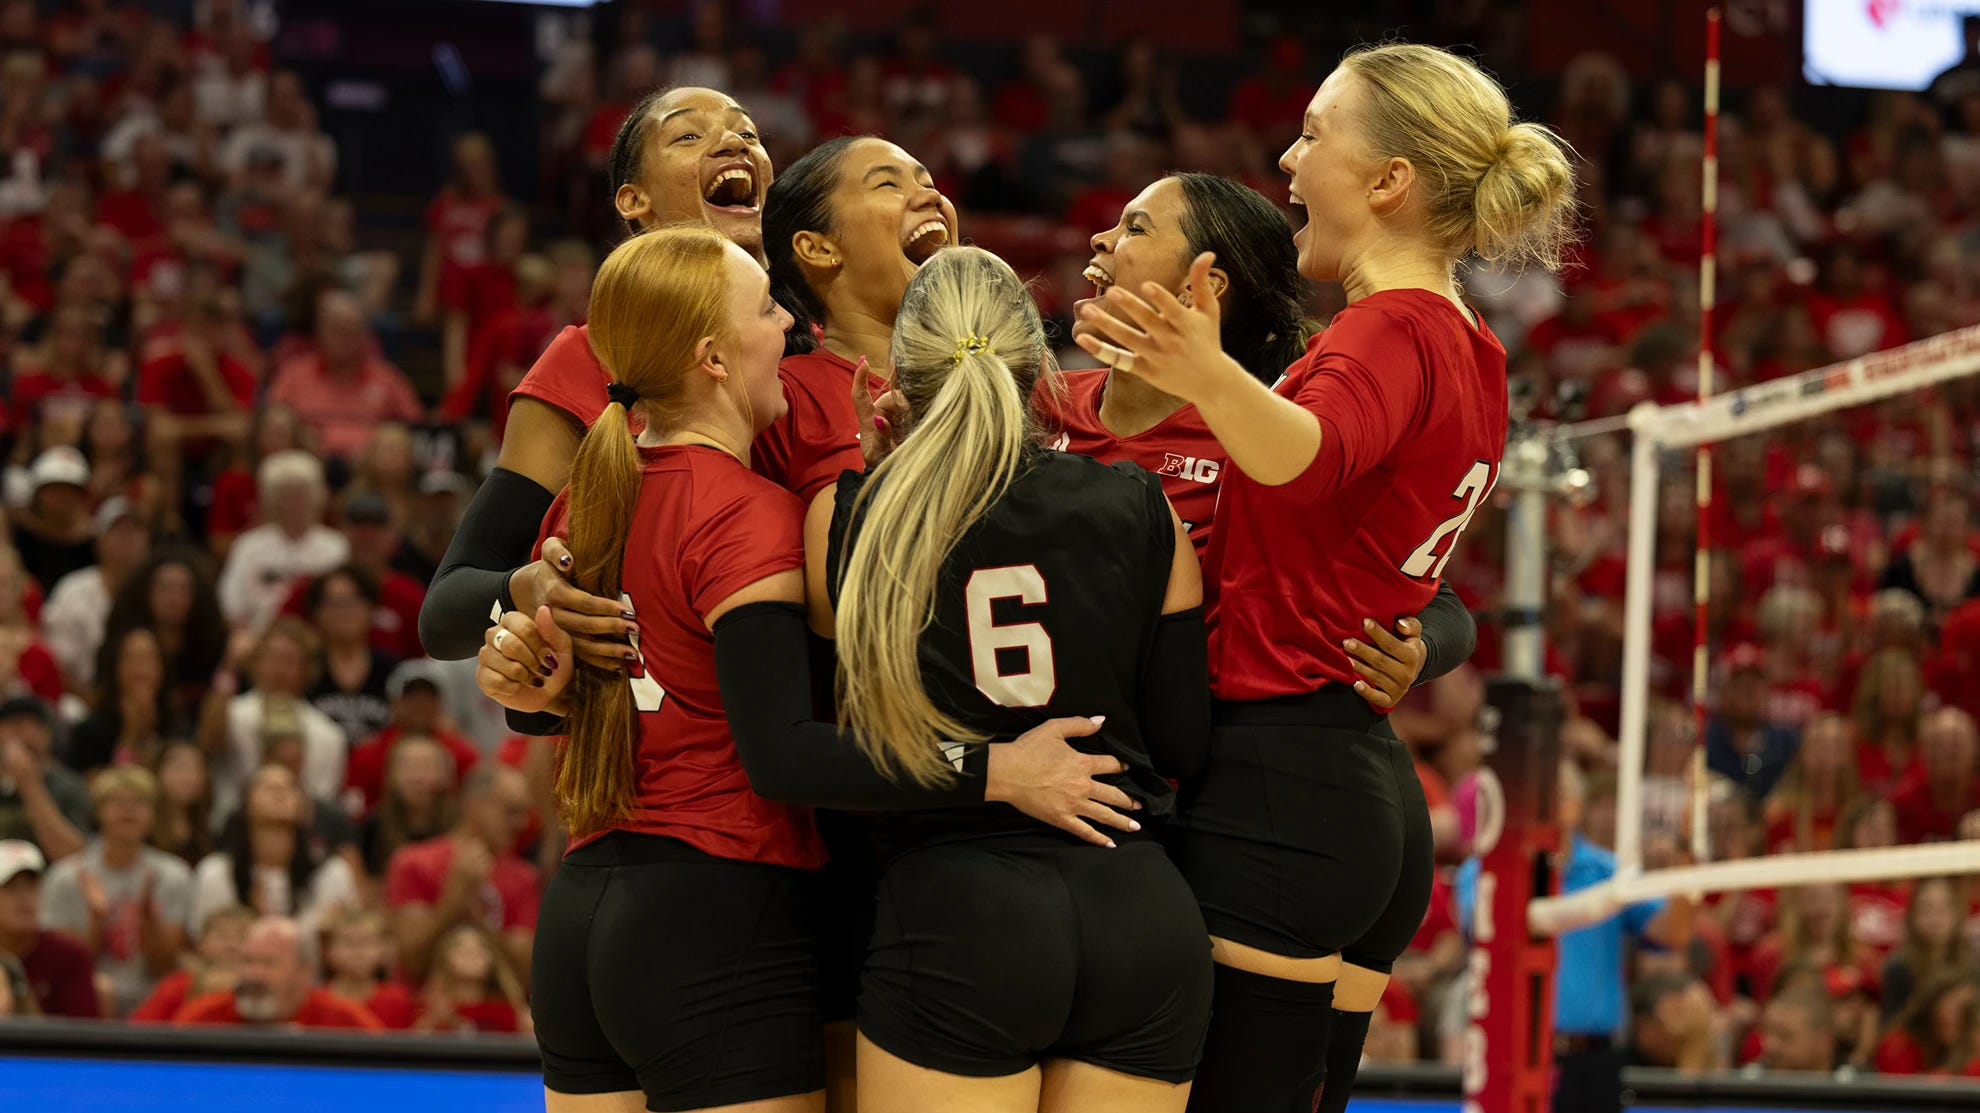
x: 233, y: 789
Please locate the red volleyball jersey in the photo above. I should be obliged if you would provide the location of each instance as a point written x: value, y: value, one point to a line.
x: 567, y: 377
x: 803, y: 452
x: 1411, y: 399
x: 1181, y: 450
x: 817, y: 439
x: 705, y: 527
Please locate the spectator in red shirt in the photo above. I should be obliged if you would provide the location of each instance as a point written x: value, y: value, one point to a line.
x: 345, y: 388
x: 552, y: 293
x: 1934, y: 943
x: 1889, y: 696
x: 419, y: 803
x: 214, y: 969
x: 1814, y: 931
x: 1934, y: 1035
x: 133, y: 210
x: 457, y: 226
x: 473, y: 988
x: 71, y: 367
x: 357, y: 966
x: 60, y: 971
x: 418, y: 711
x: 277, y: 988
x: 197, y: 397
x: 469, y: 876
x: 1802, y: 813
x: 488, y: 289
x: 1855, y: 316
x: 1946, y: 784
x: 374, y: 537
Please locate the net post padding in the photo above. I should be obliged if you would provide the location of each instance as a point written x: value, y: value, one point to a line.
x: 1754, y: 409
x: 1508, y: 1039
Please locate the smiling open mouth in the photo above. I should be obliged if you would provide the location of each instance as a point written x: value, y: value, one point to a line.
x: 927, y: 238
x: 734, y: 188
x: 1102, y: 281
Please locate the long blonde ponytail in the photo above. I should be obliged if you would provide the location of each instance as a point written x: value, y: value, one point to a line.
x: 968, y: 350
x: 654, y: 300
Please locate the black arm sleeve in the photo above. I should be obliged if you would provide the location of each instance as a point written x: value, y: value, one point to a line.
x: 536, y: 724
x: 494, y: 539
x: 1175, y: 695
x: 1450, y: 634
x: 763, y: 660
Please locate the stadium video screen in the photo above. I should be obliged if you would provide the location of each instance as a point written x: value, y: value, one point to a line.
x: 1882, y: 44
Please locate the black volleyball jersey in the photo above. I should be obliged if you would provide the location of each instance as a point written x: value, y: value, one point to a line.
x: 1045, y: 609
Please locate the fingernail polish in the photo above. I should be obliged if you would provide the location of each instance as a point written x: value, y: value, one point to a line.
x: 1099, y: 720
x: 1350, y: 644
x: 564, y: 561
x: 550, y: 664
x: 629, y: 616
x: 1133, y: 826
x: 536, y: 682
x: 1110, y: 844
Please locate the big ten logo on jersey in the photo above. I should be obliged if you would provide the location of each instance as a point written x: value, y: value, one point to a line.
x: 1427, y: 561
x: 1190, y: 468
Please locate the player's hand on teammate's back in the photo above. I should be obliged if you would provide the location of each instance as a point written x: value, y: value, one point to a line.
x: 1176, y: 346
x: 600, y: 629
x: 526, y: 661
x: 1388, y: 663
x: 1043, y: 776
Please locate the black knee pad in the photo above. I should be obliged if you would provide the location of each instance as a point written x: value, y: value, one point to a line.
x: 1266, y: 1051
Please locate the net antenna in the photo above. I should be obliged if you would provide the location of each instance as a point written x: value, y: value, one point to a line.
x: 1701, y: 572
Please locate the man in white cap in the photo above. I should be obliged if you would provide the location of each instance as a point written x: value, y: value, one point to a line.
x: 73, y: 619
x: 54, y: 534
x: 60, y: 972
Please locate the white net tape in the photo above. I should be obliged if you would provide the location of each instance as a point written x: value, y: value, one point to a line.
x: 1754, y: 409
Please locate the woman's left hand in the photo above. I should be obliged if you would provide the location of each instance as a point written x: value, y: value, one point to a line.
x: 1388, y: 663
x: 525, y: 662
x: 1177, y: 348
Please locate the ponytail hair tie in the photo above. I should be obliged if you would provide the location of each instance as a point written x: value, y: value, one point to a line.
x: 970, y: 344
x: 622, y: 394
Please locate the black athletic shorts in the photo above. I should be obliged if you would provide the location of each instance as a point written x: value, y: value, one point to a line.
x: 690, y: 977
x: 845, y: 911
x: 1307, y: 834
x: 992, y: 955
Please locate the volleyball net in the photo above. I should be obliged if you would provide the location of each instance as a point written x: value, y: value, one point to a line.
x: 1658, y: 433
x: 1518, y: 909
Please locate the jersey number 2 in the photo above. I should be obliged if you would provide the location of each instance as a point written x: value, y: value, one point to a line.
x: 646, y: 691
x: 1478, y: 483
x: 1034, y: 686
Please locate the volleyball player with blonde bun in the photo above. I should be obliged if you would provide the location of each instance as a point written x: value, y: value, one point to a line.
x: 1306, y: 838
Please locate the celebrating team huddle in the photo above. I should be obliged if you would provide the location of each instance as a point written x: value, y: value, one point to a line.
x: 1100, y: 810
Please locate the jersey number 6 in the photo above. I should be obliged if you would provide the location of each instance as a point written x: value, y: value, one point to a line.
x: 1034, y: 686
x: 1478, y: 482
